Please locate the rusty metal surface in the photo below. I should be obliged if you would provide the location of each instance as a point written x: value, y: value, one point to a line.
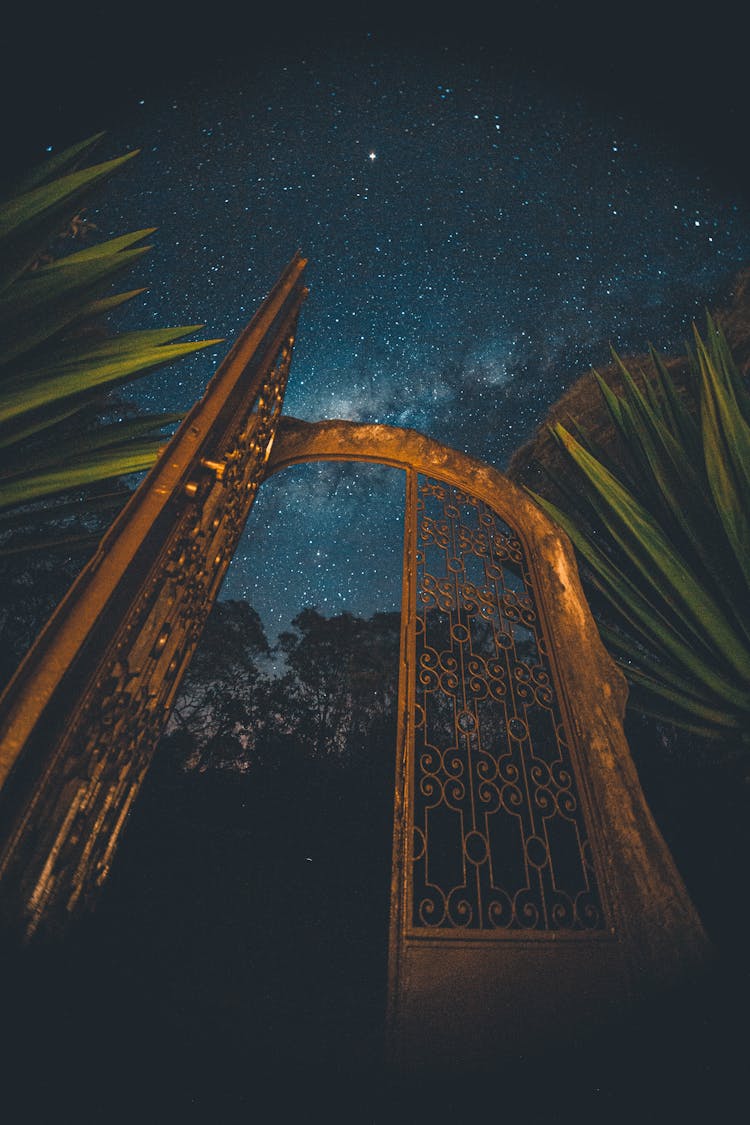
x: 82, y: 716
x: 461, y: 995
x: 499, y: 831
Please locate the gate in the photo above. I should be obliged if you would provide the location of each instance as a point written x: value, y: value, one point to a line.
x: 531, y: 888
x: 532, y: 893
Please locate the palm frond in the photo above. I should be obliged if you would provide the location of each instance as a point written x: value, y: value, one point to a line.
x: 59, y: 358
x: 666, y: 539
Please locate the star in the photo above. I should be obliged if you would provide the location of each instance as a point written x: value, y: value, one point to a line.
x: 459, y: 299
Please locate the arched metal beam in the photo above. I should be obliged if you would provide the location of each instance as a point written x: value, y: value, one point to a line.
x: 651, y: 914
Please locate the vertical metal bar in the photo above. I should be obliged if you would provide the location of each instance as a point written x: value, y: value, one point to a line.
x: 403, y: 800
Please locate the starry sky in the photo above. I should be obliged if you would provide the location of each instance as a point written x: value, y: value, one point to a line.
x: 484, y: 214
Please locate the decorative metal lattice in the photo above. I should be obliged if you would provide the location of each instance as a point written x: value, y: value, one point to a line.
x: 500, y: 842
x: 87, y: 706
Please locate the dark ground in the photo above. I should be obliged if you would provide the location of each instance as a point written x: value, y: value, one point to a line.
x: 235, y: 969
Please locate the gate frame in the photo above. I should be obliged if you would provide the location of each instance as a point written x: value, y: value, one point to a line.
x: 80, y: 720
x: 460, y: 1001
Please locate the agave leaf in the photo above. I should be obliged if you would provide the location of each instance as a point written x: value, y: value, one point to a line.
x: 595, y: 448
x: 682, y: 709
x: 22, y: 210
x: 49, y: 375
x: 642, y: 540
x: 42, y: 307
x: 649, y: 392
x: 671, y: 558
x: 629, y: 381
x: 48, y: 346
x: 29, y: 296
x: 574, y: 501
x: 674, y: 414
x: 54, y: 166
x: 679, y: 496
x: 723, y: 360
x: 25, y: 427
x: 71, y: 447
x: 140, y: 338
x: 106, y: 304
x: 664, y: 672
x: 117, y: 434
x: 726, y: 444
x: 58, y: 387
x: 580, y: 499
x: 666, y: 714
x: 627, y: 431
x: 88, y: 311
x: 611, y: 401
x: 660, y: 631
x: 67, y: 355
x: 46, y: 330
x: 99, y: 250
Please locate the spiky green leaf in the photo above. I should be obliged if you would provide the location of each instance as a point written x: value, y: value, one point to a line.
x: 56, y: 388
x: 98, y: 466
x: 28, y: 221
x: 55, y: 166
x: 649, y: 550
x: 726, y: 445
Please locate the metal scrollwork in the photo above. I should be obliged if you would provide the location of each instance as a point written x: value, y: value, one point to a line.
x: 500, y: 842
x: 65, y: 838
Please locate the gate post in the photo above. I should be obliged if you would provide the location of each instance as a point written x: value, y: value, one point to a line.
x: 82, y: 716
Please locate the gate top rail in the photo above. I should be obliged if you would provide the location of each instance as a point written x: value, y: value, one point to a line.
x: 134, y: 538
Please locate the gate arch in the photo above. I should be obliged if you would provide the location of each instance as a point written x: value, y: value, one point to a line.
x: 461, y: 992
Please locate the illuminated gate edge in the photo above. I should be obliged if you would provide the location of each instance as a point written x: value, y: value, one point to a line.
x: 457, y: 999
x: 81, y: 717
x: 500, y: 678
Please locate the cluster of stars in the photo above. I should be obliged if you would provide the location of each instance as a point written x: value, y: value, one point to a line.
x: 476, y: 240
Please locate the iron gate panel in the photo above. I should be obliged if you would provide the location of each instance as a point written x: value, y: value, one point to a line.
x: 499, y: 837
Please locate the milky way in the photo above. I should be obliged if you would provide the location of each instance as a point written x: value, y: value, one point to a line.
x: 476, y: 236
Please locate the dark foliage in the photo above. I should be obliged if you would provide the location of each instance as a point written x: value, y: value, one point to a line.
x: 540, y: 463
x: 331, y: 692
x: 33, y: 582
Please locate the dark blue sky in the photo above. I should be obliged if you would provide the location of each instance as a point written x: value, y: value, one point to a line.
x: 481, y: 222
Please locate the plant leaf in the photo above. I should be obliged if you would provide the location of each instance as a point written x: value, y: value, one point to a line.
x: 643, y: 542
x: 726, y: 446
x: 54, y: 166
x: 58, y: 387
x: 28, y: 221
x: 97, y: 467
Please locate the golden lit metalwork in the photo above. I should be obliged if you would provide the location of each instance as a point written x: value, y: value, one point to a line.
x: 81, y: 718
x: 547, y: 897
x: 540, y: 891
x: 499, y: 837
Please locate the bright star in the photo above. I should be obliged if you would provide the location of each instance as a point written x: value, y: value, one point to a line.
x: 372, y: 155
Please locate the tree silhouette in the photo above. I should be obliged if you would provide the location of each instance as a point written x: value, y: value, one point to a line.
x: 343, y: 676
x: 222, y: 707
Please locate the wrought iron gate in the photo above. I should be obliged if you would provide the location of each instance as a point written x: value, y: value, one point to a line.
x: 530, y: 884
x: 531, y: 889
x: 80, y: 720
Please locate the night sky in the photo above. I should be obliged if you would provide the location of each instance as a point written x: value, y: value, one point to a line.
x: 484, y: 212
